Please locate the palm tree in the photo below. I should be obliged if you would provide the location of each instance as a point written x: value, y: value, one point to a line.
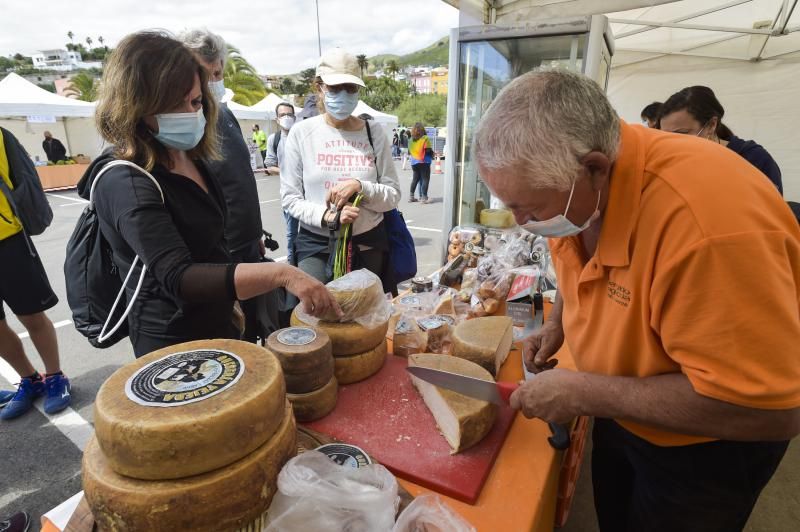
x: 363, y: 63
x: 89, y: 42
x: 83, y: 87
x: 70, y: 35
x: 100, y: 39
x: 391, y: 68
x: 241, y: 77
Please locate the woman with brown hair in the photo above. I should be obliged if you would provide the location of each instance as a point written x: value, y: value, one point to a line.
x: 157, y: 112
x: 331, y: 159
x: 421, y: 154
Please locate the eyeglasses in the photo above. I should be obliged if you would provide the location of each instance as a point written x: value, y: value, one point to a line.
x: 351, y: 88
x: 285, y: 114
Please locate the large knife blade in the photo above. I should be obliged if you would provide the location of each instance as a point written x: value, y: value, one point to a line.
x: 490, y: 391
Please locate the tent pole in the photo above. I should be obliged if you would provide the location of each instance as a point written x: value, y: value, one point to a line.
x: 689, y: 26
x: 686, y: 17
x: 783, y: 16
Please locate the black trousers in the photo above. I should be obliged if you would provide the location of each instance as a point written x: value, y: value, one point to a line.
x: 421, y: 175
x: 706, y: 487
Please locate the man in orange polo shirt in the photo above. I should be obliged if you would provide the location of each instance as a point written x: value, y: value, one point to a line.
x: 679, y: 275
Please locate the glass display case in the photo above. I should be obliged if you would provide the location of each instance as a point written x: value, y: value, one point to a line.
x: 483, y: 60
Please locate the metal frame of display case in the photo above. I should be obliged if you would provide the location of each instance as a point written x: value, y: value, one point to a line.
x: 598, y: 49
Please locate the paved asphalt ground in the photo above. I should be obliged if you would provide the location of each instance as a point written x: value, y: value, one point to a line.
x: 40, y: 455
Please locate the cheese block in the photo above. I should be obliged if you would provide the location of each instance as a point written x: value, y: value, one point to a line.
x: 224, y: 499
x: 310, y: 380
x: 355, y: 368
x: 300, y: 349
x: 445, y: 305
x: 173, y: 413
x: 463, y: 421
x: 485, y: 341
x: 358, y: 293
x: 348, y: 338
x: 437, y: 329
x: 408, y: 338
x: 314, y: 405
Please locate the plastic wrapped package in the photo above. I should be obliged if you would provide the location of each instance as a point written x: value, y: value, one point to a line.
x: 361, y: 298
x: 314, y: 493
x: 408, y: 337
x: 437, y: 329
x: 427, y: 513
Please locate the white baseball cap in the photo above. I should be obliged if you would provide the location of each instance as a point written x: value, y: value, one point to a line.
x: 337, y: 67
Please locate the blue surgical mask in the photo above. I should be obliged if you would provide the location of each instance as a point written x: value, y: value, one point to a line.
x: 560, y: 226
x: 181, y: 131
x: 341, y: 104
x: 217, y: 89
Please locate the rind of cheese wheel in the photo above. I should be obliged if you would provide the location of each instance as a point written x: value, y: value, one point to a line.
x: 355, y: 368
x: 304, y: 357
x: 224, y: 499
x: 315, y: 405
x: 463, y: 421
x: 485, y: 341
x: 348, y: 338
x: 154, y: 443
x: 311, y: 380
x: 354, y: 302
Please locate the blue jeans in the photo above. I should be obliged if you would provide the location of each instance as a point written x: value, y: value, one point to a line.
x: 291, y: 234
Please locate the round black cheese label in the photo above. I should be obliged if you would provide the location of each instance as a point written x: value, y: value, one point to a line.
x: 345, y: 455
x: 186, y: 377
x: 297, y: 336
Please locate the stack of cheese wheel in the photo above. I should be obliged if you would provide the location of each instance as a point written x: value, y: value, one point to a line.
x: 190, y: 437
x: 307, y: 361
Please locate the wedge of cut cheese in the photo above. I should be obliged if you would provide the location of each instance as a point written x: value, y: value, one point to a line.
x: 485, y: 341
x: 355, y: 368
x: 462, y: 420
x: 224, y: 499
x: 316, y: 404
x: 348, y: 338
x: 189, y: 409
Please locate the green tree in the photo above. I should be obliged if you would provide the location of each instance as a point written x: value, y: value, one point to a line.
x: 241, y: 77
x: 430, y: 109
x: 83, y: 87
x: 89, y: 42
x: 287, y: 86
x: 385, y: 94
x: 363, y: 63
x: 391, y: 68
x: 6, y: 64
x: 307, y: 77
x: 50, y: 87
x: 70, y: 35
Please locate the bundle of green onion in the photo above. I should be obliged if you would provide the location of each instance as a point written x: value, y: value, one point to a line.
x: 343, y: 260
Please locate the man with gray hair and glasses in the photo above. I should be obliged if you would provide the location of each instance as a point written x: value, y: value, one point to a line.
x: 243, y: 229
x: 694, y: 383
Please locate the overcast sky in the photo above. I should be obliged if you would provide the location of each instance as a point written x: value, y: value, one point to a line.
x: 277, y: 36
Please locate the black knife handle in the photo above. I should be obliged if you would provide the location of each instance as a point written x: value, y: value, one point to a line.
x: 560, y: 438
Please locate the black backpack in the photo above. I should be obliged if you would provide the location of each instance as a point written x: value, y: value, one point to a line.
x: 95, y: 292
x: 27, y: 200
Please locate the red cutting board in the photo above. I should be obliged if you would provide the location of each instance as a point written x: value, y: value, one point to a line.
x: 385, y: 416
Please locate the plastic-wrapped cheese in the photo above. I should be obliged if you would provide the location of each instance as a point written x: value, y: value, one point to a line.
x: 172, y: 413
x: 463, y: 421
x: 225, y: 499
x: 358, y: 293
x: 485, y: 341
x: 348, y: 338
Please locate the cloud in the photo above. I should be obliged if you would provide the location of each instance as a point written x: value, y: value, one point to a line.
x: 277, y: 36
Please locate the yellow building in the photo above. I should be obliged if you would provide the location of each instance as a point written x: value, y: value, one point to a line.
x: 439, y: 78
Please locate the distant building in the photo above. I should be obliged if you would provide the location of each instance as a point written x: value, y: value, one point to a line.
x: 421, y: 80
x: 439, y: 79
x: 64, y: 60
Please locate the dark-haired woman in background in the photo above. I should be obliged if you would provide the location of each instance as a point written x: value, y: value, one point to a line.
x: 696, y: 111
x: 650, y: 114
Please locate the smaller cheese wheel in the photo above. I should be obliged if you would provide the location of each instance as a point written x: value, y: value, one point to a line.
x: 300, y: 349
x: 310, y: 380
x: 224, y: 499
x: 356, y: 368
x: 348, y: 338
x: 314, y: 405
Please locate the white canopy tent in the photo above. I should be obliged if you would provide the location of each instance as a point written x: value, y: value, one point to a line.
x: 270, y: 102
x: 28, y: 111
x: 388, y: 122
x: 747, y: 51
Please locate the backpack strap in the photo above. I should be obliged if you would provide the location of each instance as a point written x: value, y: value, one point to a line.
x: 275, y: 141
x: 103, y: 334
x: 375, y: 153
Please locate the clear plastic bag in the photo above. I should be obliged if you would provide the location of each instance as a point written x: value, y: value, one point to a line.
x: 361, y: 298
x: 427, y: 513
x: 314, y: 493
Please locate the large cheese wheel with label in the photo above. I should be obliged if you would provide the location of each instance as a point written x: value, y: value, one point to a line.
x: 224, y: 499
x: 485, y: 341
x: 314, y: 405
x: 355, y: 368
x: 462, y: 420
x: 348, y: 338
x: 189, y: 408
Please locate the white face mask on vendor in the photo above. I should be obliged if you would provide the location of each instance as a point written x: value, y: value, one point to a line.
x: 560, y: 226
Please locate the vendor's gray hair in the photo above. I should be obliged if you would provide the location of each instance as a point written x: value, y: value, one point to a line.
x: 207, y: 45
x: 544, y: 123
